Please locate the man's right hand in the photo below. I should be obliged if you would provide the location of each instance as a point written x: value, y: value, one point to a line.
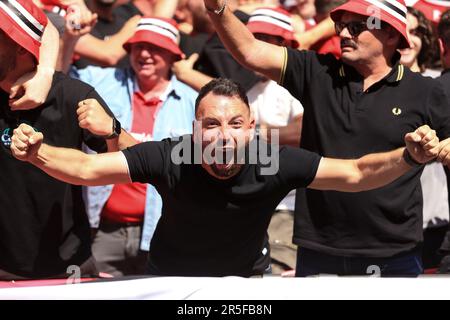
x: 25, y: 143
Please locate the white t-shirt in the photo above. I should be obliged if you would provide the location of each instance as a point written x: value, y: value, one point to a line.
x: 273, y: 105
x: 435, y: 195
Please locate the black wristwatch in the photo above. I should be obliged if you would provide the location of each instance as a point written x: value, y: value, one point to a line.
x: 117, y: 129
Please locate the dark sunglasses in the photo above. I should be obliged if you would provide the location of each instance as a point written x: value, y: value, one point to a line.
x: 353, y: 27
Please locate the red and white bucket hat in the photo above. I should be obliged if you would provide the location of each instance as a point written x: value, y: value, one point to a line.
x: 393, y: 12
x: 24, y: 23
x: 274, y: 22
x: 161, y: 32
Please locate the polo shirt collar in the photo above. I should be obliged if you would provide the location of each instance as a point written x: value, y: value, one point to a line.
x: 395, y: 75
x: 170, y: 90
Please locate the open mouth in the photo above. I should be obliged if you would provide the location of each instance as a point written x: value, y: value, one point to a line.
x: 224, y: 155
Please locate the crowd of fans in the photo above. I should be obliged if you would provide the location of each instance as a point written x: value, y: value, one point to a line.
x: 148, y: 59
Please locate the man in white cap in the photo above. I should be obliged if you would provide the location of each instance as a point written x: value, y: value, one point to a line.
x: 44, y: 230
x: 151, y: 104
x: 355, y: 105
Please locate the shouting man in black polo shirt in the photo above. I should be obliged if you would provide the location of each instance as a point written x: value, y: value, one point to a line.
x: 43, y: 224
x: 363, y: 103
x: 218, y: 188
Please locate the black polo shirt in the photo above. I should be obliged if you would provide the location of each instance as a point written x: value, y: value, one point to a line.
x: 43, y: 223
x: 342, y: 121
x: 212, y: 227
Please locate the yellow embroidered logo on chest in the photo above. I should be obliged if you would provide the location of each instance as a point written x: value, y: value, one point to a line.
x: 397, y: 111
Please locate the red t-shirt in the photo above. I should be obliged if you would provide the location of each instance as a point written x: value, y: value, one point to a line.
x: 432, y: 9
x: 127, y: 201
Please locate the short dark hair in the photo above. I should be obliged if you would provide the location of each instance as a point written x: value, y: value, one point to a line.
x: 443, y: 28
x: 222, y: 87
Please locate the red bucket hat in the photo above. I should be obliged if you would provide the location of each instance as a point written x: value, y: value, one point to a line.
x: 24, y: 23
x: 274, y: 22
x: 393, y: 12
x: 161, y: 32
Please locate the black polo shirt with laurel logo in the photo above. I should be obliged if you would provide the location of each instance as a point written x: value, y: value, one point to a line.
x: 343, y: 121
x: 43, y: 223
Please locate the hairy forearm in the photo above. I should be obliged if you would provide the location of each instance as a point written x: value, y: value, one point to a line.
x: 379, y: 169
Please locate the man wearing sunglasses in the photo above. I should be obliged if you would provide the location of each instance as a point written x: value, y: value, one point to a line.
x: 361, y: 103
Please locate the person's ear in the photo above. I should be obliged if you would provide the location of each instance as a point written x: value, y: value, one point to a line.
x: 252, y: 122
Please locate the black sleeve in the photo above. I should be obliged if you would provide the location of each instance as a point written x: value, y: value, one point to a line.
x: 298, y: 167
x: 439, y: 108
x: 148, y: 161
x: 301, y: 67
x: 94, y: 142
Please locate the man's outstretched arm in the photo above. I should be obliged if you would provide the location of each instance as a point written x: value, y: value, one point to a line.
x: 376, y: 170
x: 256, y: 55
x: 69, y: 165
